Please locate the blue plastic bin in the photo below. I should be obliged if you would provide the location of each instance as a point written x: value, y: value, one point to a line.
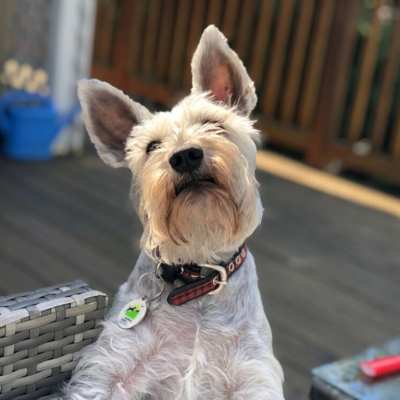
x: 29, y: 124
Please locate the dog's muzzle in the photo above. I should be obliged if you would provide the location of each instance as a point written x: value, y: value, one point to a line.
x: 193, y: 181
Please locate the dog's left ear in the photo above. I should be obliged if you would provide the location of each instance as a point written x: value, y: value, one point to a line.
x: 109, y: 116
x: 217, y: 68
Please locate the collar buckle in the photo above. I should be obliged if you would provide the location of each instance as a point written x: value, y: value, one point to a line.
x: 223, y: 277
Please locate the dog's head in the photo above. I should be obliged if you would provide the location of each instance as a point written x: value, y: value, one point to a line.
x: 193, y: 166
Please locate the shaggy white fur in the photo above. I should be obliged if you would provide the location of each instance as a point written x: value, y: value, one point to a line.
x: 218, y: 346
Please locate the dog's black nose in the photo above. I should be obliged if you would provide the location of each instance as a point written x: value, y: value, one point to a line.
x: 187, y: 160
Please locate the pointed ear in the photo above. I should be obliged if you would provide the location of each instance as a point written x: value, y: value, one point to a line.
x: 217, y: 68
x: 109, y: 116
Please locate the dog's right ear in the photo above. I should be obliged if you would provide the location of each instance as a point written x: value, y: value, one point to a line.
x: 109, y: 116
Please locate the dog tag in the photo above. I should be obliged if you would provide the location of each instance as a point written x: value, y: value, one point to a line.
x: 132, y: 314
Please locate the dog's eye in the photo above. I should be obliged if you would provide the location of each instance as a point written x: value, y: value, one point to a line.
x: 216, y: 125
x: 152, y: 146
x: 210, y: 121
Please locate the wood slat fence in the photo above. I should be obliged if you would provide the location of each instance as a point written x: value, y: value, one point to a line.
x: 327, y: 71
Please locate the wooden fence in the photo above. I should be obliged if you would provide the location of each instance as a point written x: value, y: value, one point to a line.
x: 326, y: 71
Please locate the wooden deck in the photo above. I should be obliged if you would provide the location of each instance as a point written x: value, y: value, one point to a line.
x: 329, y: 269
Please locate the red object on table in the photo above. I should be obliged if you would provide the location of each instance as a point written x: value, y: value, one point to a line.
x: 380, y: 367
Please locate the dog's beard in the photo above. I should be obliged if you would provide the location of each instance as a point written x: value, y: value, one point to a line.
x: 204, y: 214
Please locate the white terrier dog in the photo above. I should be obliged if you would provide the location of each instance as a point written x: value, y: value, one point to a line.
x: 189, y: 322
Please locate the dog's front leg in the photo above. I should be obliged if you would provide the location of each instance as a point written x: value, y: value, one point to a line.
x: 125, y: 365
x: 255, y: 379
x: 105, y: 366
x: 94, y: 378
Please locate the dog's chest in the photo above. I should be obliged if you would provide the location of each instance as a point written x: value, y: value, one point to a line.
x: 193, y: 344
x: 188, y: 332
x: 184, y: 351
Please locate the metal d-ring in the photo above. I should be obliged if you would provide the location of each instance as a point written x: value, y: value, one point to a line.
x: 159, y: 293
x: 157, y: 272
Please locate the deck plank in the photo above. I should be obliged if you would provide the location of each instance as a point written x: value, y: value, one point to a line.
x: 328, y: 269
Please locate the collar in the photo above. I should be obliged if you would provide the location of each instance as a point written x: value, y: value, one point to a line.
x: 197, y: 284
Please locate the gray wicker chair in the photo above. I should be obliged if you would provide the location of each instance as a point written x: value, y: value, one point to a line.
x: 41, y: 333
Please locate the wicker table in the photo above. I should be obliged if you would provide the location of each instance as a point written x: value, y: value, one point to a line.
x: 41, y: 334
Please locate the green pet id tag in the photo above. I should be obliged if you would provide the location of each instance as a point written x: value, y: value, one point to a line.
x: 133, y: 313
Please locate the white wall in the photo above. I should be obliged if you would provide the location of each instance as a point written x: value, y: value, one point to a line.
x: 71, y: 42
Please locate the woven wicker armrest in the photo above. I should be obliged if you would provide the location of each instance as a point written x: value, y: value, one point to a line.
x: 41, y: 333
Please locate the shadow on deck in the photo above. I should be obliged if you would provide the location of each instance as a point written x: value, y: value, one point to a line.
x: 329, y: 270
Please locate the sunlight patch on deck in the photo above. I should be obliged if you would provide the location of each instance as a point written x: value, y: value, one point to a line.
x: 319, y: 180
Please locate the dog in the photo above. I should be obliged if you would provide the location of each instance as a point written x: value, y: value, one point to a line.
x: 200, y: 330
